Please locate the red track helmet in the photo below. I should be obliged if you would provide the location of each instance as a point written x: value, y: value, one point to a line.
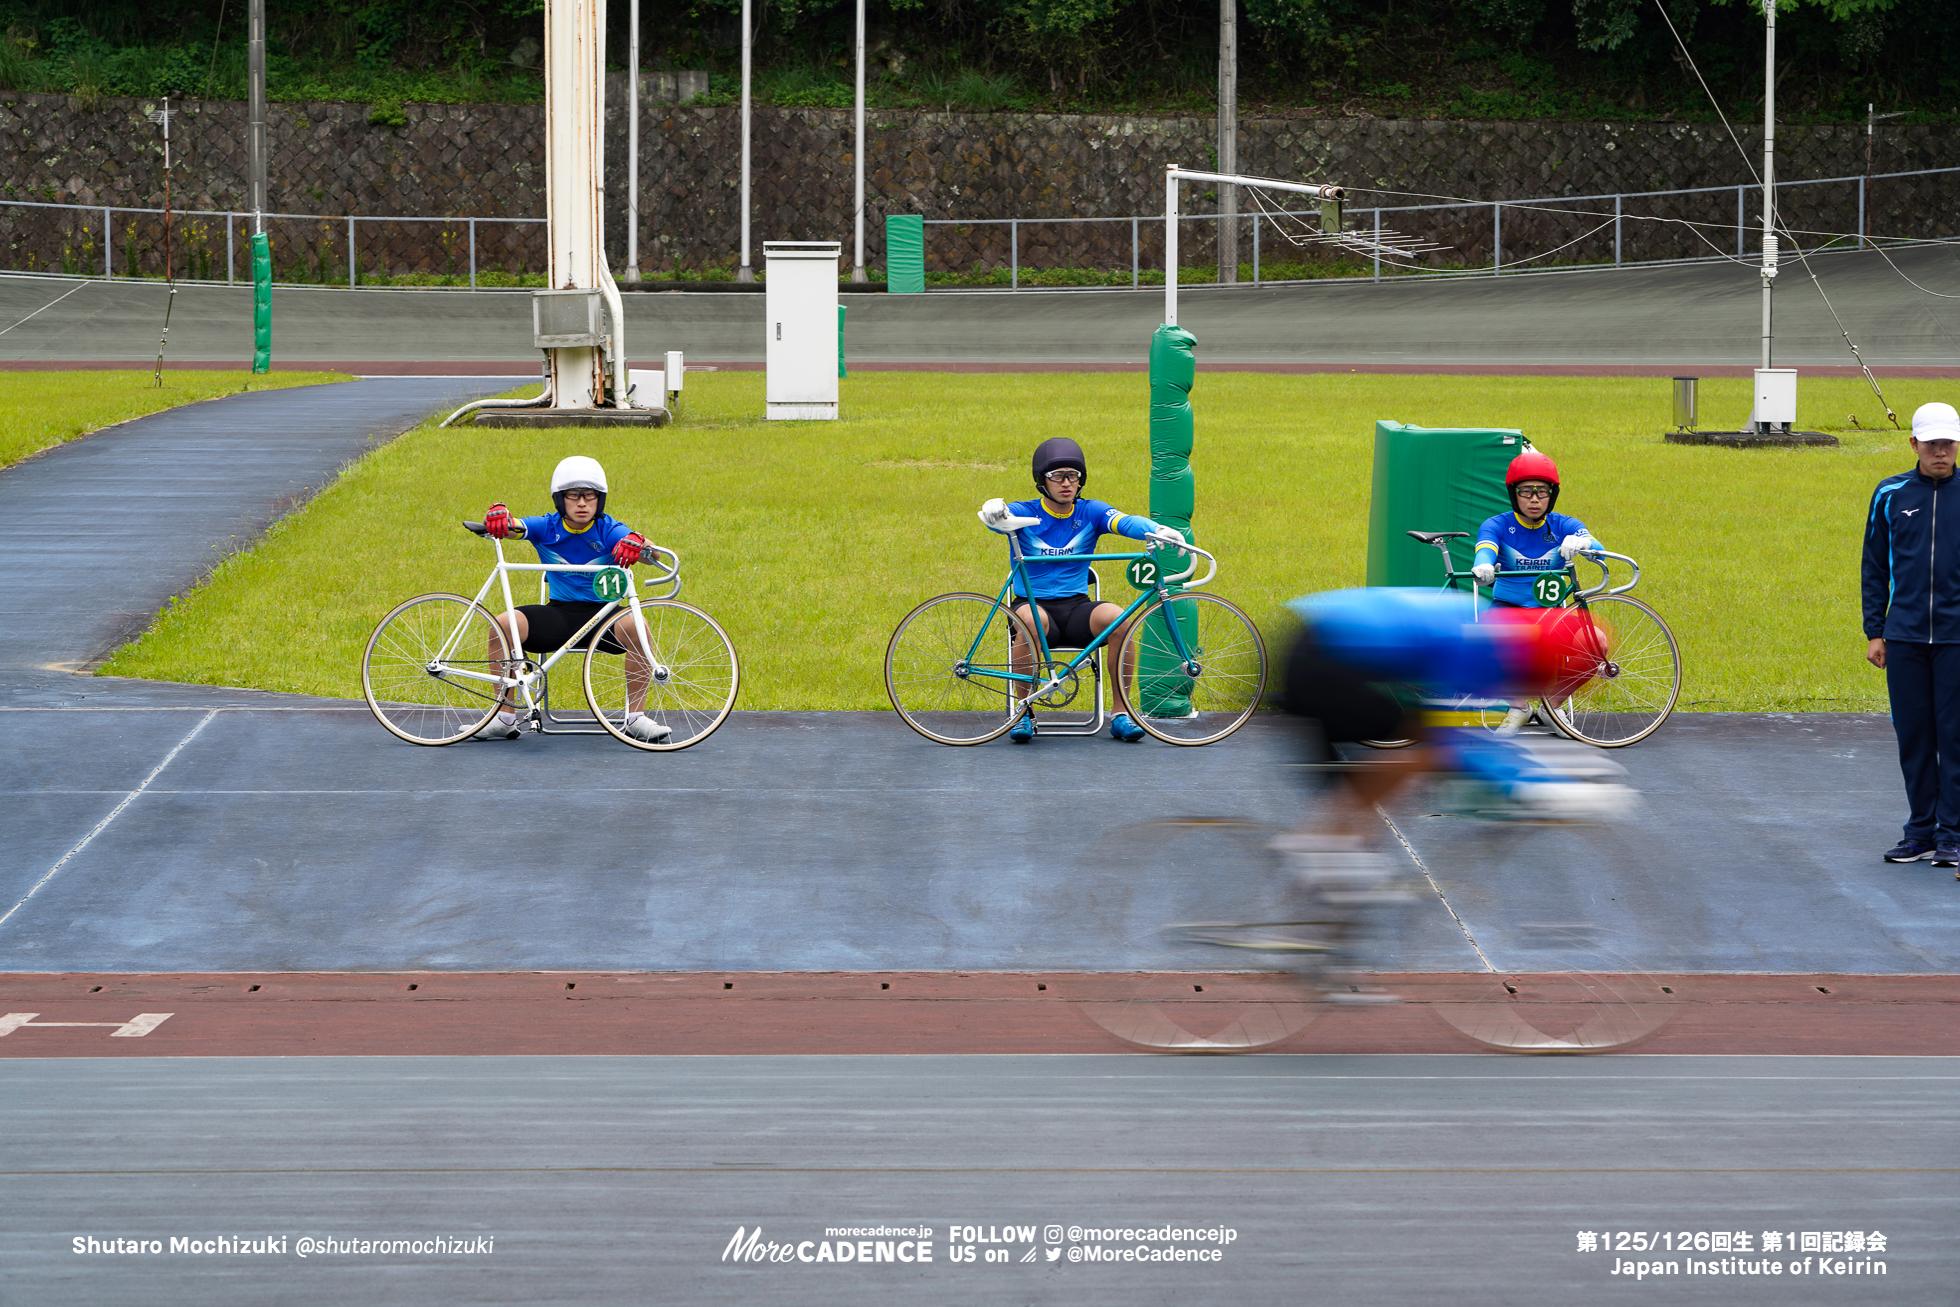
x: 1531, y: 466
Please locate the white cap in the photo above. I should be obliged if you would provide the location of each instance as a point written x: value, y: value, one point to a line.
x: 581, y: 473
x: 1935, y: 422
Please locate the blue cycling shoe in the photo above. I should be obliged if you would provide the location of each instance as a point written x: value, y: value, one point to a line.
x: 1022, y: 732
x: 1122, y: 728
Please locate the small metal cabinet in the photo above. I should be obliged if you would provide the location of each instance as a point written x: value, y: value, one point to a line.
x: 801, y: 353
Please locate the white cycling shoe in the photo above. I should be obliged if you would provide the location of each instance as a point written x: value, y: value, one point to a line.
x: 642, y: 727
x: 501, y: 727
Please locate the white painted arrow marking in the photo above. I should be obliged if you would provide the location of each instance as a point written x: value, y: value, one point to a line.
x: 135, y: 1028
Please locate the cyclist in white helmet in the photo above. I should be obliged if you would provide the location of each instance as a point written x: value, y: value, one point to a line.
x: 580, y: 532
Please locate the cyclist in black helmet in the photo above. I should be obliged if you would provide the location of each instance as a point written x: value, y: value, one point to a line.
x: 1066, y: 523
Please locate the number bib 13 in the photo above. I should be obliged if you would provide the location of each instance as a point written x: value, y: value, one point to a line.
x: 1551, y: 589
x: 611, y: 585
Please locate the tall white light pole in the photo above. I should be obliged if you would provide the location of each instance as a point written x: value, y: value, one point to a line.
x: 857, y: 263
x: 1228, y: 139
x: 255, y: 129
x: 745, y: 272
x: 1769, y: 169
x: 632, y: 275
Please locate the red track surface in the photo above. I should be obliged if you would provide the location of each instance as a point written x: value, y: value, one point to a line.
x: 282, y: 1014
x: 528, y: 368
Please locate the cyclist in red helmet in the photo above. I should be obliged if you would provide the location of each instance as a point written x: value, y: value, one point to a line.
x: 1530, y: 539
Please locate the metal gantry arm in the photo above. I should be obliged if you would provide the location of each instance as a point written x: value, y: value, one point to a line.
x: 1174, y: 174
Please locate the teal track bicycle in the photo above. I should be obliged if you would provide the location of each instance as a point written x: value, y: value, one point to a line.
x: 1189, y: 667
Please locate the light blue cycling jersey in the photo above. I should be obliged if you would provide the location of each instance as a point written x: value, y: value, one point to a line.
x: 1507, y: 541
x: 1075, y: 533
x: 1428, y: 638
x: 557, y: 543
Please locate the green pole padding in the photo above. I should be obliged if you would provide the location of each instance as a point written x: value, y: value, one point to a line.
x: 905, y: 254
x: 1433, y: 479
x: 261, y: 303
x: 1163, y: 690
x: 840, y: 341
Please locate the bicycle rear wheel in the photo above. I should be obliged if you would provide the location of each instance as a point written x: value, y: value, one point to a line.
x: 1633, y: 687
x: 1200, y: 701
x: 688, y: 681
x: 947, y: 668
x: 427, y: 673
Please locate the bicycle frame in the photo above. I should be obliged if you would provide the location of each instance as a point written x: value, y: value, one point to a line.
x: 1034, y: 682
x: 538, y: 706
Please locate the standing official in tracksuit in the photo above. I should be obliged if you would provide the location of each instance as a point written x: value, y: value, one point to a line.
x: 1912, y: 620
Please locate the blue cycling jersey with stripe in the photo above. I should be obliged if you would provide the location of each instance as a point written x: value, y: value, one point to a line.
x: 1074, y: 532
x: 558, y: 543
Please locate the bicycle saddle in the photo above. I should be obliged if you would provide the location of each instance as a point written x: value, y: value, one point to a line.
x: 1431, y: 537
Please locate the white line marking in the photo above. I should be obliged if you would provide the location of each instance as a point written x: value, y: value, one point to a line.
x: 1421, y: 867
x: 135, y: 1028
x: 103, y: 824
x: 44, y: 308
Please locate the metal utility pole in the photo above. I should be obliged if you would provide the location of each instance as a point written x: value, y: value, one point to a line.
x: 1769, y: 170
x: 857, y: 263
x: 745, y: 272
x: 1228, y: 140
x: 255, y: 131
x: 169, y: 262
x: 1872, y: 118
x: 632, y: 274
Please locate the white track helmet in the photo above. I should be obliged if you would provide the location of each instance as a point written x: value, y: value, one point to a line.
x: 577, y: 473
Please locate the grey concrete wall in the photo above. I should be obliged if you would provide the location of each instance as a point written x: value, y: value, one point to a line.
x: 488, y: 161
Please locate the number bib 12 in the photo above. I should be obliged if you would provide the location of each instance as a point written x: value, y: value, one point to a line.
x: 1142, y: 573
x: 1551, y: 589
x: 611, y: 585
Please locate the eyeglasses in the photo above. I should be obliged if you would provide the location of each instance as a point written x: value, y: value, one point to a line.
x: 1534, y: 492
x: 577, y: 495
x: 1067, y: 476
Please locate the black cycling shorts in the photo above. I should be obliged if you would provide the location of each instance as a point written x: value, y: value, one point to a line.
x: 1348, y: 707
x: 554, y: 623
x: 1068, y: 620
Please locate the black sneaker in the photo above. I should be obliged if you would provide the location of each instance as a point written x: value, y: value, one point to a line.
x: 1908, y: 851
x: 1947, y: 854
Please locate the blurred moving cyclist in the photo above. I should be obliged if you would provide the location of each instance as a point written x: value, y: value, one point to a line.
x: 1531, y: 538
x: 1352, y: 642
x: 1059, y: 521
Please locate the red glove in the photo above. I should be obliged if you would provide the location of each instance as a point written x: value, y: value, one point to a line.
x: 627, y: 552
x: 497, y: 521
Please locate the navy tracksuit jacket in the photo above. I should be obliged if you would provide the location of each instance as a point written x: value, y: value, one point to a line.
x: 1911, y: 585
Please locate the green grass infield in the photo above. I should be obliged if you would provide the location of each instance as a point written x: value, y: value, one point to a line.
x: 39, y: 410
x: 809, y: 541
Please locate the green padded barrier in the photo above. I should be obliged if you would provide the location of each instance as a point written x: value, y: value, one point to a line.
x: 905, y: 254
x: 1433, y: 479
x: 261, y: 303
x: 840, y: 341
x: 1173, y: 369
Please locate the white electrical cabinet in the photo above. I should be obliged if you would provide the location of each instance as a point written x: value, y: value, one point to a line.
x: 1776, y: 395
x: 801, y: 353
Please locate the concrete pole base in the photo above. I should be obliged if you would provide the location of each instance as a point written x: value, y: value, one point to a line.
x: 541, y: 418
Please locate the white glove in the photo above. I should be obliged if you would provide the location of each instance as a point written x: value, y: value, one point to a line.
x: 1483, y: 573
x: 1573, y: 544
x: 1167, y: 535
x: 993, y: 513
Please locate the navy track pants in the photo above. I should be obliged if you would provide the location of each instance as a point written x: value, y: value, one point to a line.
x: 1924, y: 683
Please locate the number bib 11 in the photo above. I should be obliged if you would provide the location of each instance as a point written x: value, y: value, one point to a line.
x: 1551, y: 589
x: 611, y: 585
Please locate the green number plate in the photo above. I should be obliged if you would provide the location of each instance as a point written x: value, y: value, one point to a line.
x: 611, y: 585
x: 1550, y: 590
x: 1142, y: 573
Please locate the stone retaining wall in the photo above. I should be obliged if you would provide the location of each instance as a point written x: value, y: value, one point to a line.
x: 487, y: 161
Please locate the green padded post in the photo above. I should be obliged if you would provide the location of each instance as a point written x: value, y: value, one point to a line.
x: 1173, y: 369
x: 261, y: 303
x: 905, y: 254
x: 840, y: 341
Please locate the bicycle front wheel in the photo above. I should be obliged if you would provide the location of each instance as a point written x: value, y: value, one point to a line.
x: 684, y: 676
x: 1633, y: 686
x: 427, y: 672
x: 1205, y: 698
x: 949, y: 668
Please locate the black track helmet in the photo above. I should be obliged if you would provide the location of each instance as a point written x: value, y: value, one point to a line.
x: 1059, y: 451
